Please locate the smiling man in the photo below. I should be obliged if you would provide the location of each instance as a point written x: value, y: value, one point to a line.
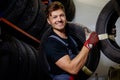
x: 63, y: 57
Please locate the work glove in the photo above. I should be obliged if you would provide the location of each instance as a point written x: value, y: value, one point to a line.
x: 91, y: 40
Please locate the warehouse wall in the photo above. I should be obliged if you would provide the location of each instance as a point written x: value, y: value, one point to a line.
x: 87, y: 12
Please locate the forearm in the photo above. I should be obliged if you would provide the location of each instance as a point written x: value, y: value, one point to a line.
x: 79, y: 60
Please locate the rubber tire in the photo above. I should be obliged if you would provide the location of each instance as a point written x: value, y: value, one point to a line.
x: 117, y: 6
x: 28, y: 16
x: 32, y: 62
x: 39, y: 22
x: 6, y: 6
x: 9, y: 30
x: 9, y: 59
x: 79, y: 35
x: 106, y: 20
x: 22, y: 71
x: 16, y: 11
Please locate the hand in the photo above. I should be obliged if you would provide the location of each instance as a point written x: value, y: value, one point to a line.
x: 91, y: 40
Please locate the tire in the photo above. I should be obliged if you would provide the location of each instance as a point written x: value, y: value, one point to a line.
x: 43, y: 30
x: 32, y: 62
x: 70, y: 11
x: 20, y: 61
x: 8, y: 59
x: 23, y: 61
x: 39, y: 22
x: 16, y: 11
x: 28, y: 16
x: 9, y: 30
x: 105, y: 23
x: 79, y: 35
x: 31, y: 19
x: 117, y: 6
x: 6, y: 7
x: 12, y: 9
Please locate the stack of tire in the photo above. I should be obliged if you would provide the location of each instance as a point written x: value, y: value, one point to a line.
x: 30, y: 15
x: 20, y: 58
x: 20, y: 61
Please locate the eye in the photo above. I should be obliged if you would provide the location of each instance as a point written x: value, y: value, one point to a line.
x: 62, y: 15
x: 54, y: 17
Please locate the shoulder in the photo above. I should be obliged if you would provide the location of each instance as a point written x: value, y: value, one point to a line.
x: 51, y: 42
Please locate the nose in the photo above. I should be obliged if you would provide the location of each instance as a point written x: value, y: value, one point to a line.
x: 59, y: 18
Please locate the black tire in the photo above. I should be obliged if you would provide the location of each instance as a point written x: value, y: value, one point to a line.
x: 37, y: 61
x: 32, y: 62
x: 105, y: 22
x: 4, y: 62
x: 6, y: 7
x: 9, y: 30
x: 8, y: 59
x: 39, y: 22
x: 28, y: 16
x: 22, y: 71
x: 19, y: 61
x: 16, y: 11
x: 43, y: 30
x: 70, y: 11
x: 78, y: 33
x: 117, y: 5
x: 43, y: 68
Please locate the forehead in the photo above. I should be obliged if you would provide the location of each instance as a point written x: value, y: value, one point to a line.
x: 57, y: 12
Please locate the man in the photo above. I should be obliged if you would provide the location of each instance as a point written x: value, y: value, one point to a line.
x: 61, y: 59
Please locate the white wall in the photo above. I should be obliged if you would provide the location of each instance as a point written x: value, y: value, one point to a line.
x: 87, y: 12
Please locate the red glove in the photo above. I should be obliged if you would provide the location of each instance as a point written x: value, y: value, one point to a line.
x: 92, y: 40
x: 71, y: 77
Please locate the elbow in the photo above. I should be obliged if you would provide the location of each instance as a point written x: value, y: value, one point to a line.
x: 73, y: 72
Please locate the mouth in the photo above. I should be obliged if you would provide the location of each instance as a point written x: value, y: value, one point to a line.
x: 60, y: 23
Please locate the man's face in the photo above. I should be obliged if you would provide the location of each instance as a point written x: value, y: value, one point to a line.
x: 57, y: 19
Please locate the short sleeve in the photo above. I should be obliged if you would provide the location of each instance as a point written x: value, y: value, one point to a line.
x: 54, y: 49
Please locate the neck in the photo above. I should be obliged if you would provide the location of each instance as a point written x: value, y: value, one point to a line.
x: 62, y: 33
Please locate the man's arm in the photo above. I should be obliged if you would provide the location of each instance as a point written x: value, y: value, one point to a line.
x: 73, y: 66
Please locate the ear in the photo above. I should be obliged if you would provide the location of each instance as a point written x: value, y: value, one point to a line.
x: 48, y: 21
